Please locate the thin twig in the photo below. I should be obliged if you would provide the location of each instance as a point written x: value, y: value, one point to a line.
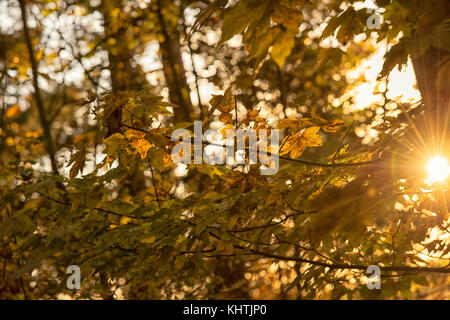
x: 236, y: 113
x: 96, y: 208
x: 308, y: 163
x: 342, y: 141
x: 154, y: 183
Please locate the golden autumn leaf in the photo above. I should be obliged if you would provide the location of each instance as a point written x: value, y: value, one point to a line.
x: 333, y: 125
x: 12, y: 111
x: 142, y: 146
x: 294, y: 124
x: 9, y: 141
x: 33, y: 134
x: 167, y: 159
x: 125, y: 220
x: 326, y: 125
x: 296, y: 144
x: 252, y: 114
x: 148, y: 240
x: 227, y: 106
x: 235, y: 219
x: 288, y: 143
x: 134, y: 134
x: 226, y: 118
x: 114, y: 144
x: 287, y: 123
x: 245, y: 181
x: 311, y: 138
x: 138, y: 142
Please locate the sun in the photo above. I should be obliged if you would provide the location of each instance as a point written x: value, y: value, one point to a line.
x: 438, y: 169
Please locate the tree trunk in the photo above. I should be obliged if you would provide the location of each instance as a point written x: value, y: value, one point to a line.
x: 124, y: 76
x: 173, y: 68
x: 435, y: 90
x: 37, y: 91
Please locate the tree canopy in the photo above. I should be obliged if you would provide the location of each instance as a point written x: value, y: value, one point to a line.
x: 92, y: 91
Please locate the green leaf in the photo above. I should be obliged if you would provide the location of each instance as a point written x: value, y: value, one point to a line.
x: 282, y: 47
x: 246, y: 13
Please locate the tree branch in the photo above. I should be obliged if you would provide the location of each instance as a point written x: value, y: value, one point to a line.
x: 37, y: 91
x: 445, y: 269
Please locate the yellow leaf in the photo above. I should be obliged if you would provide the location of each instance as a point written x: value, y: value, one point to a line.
x: 296, y: 144
x: 297, y: 150
x: 287, y: 123
x: 226, y: 118
x: 134, y: 134
x: 227, y: 106
x: 52, y: 56
x: 294, y: 124
x: 282, y: 47
x: 311, y: 138
x: 12, y: 111
x: 148, y: 240
x: 333, y: 125
x: 9, y: 141
x: 40, y: 54
x: 288, y: 143
x: 32, y: 134
x: 125, y: 220
x: 141, y: 146
x: 167, y: 159
x: 138, y: 142
x: 327, y: 126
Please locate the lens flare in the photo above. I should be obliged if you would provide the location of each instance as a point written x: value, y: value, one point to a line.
x: 438, y: 169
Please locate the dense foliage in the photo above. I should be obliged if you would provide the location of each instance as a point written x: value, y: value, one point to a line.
x: 92, y: 91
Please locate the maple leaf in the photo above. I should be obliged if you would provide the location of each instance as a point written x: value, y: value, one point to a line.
x: 224, y: 103
x: 245, y: 181
x: 294, y: 124
x: 114, y: 144
x: 227, y: 105
x: 134, y: 134
x: 138, y: 142
x: 77, y: 159
x: 296, y: 144
x: 326, y: 125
